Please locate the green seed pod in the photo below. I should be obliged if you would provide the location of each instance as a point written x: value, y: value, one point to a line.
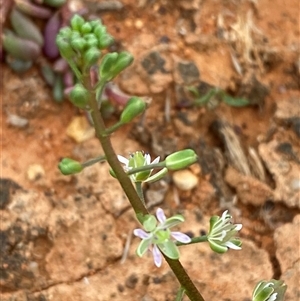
x: 25, y: 27
x: 105, y: 40
x: 79, y: 96
x: 181, y: 159
x: 77, y: 22
x: 106, y: 65
x: 55, y: 3
x: 123, y: 61
x: 91, y: 56
x: 134, y: 107
x: 69, y: 166
x: 20, y: 48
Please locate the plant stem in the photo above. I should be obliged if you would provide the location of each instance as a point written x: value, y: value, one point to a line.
x: 139, y: 190
x: 134, y: 199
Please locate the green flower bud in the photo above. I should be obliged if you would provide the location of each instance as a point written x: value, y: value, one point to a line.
x: 91, y: 41
x: 123, y: 61
x: 78, y: 44
x: 69, y: 166
x: 134, y: 107
x: 77, y: 22
x: 272, y: 290
x: 95, y: 24
x: 86, y: 28
x: 65, y: 32
x: 79, y: 96
x: 106, y: 65
x: 105, y: 40
x: 64, y: 47
x: 91, y: 56
x: 99, y: 30
x: 181, y: 159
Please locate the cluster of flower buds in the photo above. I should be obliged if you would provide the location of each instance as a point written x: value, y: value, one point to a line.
x: 29, y: 37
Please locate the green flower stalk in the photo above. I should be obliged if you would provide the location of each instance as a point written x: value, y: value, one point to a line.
x: 222, y: 233
x: 272, y: 290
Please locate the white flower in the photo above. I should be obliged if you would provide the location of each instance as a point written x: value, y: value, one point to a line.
x: 138, y: 160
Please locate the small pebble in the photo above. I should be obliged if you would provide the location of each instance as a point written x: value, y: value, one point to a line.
x: 185, y: 180
x: 35, y: 172
x: 17, y: 121
x: 80, y: 130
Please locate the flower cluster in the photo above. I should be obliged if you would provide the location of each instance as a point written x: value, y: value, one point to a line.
x: 222, y: 233
x: 159, y: 238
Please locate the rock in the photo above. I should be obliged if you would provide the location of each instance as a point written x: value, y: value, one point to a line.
x: 285, y: 171
x: 35, y: 172
x: 287, y: 109
x: 185, y: 179
x: 152, y: 73
x: 185, y: 72
x: 80, y: 130
x: 287, y: 242
x: 249, y: 190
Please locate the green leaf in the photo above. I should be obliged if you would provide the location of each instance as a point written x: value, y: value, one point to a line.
x: 201, y: 101
x: 169, y: 249
x: 149, y: 223
x: 173, y: 221
x: 235, y: 102
x: 143, y: 247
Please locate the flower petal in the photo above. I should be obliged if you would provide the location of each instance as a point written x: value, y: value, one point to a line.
x: 123, y: 160
x: 156, y: 160
x: 157, y: 256
x: 181, y: 237
x: 141, y: 233
x: 231, y: 245
x: 160, y: 215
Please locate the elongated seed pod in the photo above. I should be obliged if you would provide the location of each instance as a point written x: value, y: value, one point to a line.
x: 33, y: 10
x: 25, y: 28
x: 20, y: 48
